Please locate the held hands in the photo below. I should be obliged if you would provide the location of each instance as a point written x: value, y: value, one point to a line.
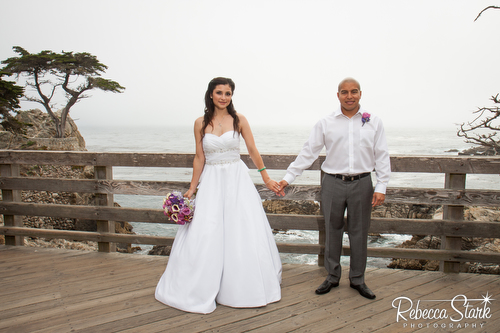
x: 275, y: 187
x: 281, y: 188
x: 283, y: 184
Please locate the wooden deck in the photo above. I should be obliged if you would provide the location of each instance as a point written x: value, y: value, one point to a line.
x: 54, y: 290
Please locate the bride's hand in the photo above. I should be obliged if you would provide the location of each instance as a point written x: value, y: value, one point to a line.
x: 189, y: 194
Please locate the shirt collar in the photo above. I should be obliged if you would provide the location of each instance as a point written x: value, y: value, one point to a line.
x: 339, y: 112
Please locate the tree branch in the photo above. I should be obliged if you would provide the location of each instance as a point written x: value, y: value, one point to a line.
x: 489, y: 7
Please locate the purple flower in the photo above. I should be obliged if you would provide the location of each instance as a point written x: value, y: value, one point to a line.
x: 174, y: 218
x: 186, y: 210
x: 365, y: 118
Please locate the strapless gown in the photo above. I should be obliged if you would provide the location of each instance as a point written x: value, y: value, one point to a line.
x: 227, y: 254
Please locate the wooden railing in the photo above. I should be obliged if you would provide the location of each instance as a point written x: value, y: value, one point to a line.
x: 454, y: 196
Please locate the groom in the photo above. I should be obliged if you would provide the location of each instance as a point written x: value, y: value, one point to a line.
x: 355, y: 145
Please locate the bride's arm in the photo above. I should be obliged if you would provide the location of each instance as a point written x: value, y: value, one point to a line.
x: 247, y: 135
x: 199, y: 159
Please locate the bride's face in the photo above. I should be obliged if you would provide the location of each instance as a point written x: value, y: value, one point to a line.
x: 221, y: 96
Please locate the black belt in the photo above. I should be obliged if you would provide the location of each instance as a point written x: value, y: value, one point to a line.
x: 350, y: 178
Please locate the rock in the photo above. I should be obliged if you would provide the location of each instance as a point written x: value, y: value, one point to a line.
x: 302, y: 207
x: 160, y: 250
x: 409, y: 211
x: 40, y: 134
x: 468, y: 244
x: 480, y: 150
x: 481, y: 214
x: 5, y: 139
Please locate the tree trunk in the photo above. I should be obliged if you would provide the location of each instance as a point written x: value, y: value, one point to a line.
x: 62, y: 124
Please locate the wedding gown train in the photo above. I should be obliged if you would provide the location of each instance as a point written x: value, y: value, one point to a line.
x: 227, y: 254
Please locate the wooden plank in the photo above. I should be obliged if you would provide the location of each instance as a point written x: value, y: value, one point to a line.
x: 399, y: 163
x: 285, y: 319
x: 76, y: 302
x: 328, y: 306
x: 56, y: 316
x: 11, y: 195
x: 429, y: 196
x: 475, y: 289
x: 86, y: 212
x: 422, y: 196
x: 456, y: 255
x: 452, y: 164
x: 97, y: 159
x: 450, y: 255
x: 368, y: 317
x: 452, y: 212
x: 106, y: 200
x: 88, y: 236
x: 159, y: 188
x: 435, y: 227
x: 277, y: 221
x: 149, y: 319
x: 296, y: 222
x: 99, y: 275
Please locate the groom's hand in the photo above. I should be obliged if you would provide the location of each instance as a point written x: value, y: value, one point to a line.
x: 281, y: 192
x: 378, y: 199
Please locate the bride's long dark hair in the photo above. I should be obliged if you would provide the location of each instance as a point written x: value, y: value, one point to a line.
x: 210, y: 108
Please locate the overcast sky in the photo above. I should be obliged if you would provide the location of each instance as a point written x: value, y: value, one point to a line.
x: 420, y: 63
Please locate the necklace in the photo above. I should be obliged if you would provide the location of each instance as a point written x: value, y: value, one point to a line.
x: 220, y: 122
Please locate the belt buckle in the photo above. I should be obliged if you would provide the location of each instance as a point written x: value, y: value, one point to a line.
x: 344, y: 178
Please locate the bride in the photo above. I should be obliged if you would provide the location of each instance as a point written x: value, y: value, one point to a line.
x: 227, y: 254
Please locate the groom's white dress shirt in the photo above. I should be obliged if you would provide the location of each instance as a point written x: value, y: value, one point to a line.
x: 351, y: 148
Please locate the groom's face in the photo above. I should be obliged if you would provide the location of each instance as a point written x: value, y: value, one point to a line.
x: 349, y: 95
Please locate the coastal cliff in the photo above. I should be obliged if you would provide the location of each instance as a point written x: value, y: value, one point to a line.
x: 38, y: 134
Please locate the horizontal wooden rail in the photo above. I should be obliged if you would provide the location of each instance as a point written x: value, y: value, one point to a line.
x: 87, y: 236
x: 277, y: 221
x: 399, y: 163
x: 422, y: 196
x: 283, y: 247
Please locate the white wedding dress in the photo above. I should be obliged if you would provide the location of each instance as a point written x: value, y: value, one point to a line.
x: 227, y: 254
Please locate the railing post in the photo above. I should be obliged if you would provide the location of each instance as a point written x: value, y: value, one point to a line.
x: 456, y: 213
x: 12, y: 170
x: 105, y: 172
x: 322, y: 232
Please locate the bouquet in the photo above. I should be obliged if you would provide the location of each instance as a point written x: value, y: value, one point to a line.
x: 178, y: 209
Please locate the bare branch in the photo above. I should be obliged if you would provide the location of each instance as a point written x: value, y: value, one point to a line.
x: 495, y: 98
x: 489, y: 7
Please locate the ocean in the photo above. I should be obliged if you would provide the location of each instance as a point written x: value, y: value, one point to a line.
x: 269, y: 140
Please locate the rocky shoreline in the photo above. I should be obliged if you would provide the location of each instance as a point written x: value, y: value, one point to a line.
x: 468, y: 244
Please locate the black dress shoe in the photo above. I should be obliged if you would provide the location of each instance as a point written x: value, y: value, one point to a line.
x: 363, y: 290
x: 325, y: 287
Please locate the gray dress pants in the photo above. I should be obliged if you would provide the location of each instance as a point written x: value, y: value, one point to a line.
x: 355, y: 197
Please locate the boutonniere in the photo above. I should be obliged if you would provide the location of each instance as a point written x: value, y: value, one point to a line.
x: 365, y: 118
